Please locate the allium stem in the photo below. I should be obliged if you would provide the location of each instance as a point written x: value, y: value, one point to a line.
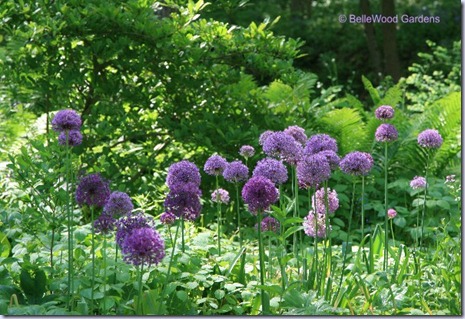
x: 182, y: 234
x: 238, y: 215
x: 139, y: 299
x: 386, y: 238
x: 104, y: 253
x: 93, y: 261
x: 328, y: 250
x: 392, y: 232
x: 296, y: 214
x: 218, y: 205
x: 363, y: 207
x: 348, y: 237
x: 261, y: 256
x: 69, y: 217
x: 424, y: 205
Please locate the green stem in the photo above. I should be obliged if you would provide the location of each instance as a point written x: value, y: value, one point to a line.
x: 261, y: 256
x: 386, y: 238
x: 424, y: 207
x: 182, y: 234
x: 270, y: 265
x: 296, y: 214
x: 363, y: 207
x: 238, y: 215
x: 139, y: 299
x: 104, y: 253
x: 328, y: 252
x: 93, y: 261
x: 116, y: 262
x: 392, y: 232
x: 69, y: 221
x: 218, y: 205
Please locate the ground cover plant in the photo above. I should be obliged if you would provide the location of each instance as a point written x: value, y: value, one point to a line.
x: 184, y: 166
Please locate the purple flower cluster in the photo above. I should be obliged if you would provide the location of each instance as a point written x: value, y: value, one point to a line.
x: 220, y: 196
x: 236, y: 172
x: 167, y: 218
x: 332, y: 158
x: 418, y: 182
x: 92, y: 190
x: 312, y: 170
x: 282, y: 146
x: 386, y: 133
x: 315, y: 225
x: 143, y: 246
x: 181, y: 173
x: 259, y: 193
x: 104, y: 224
x: 391, y: 213
x: 127, y: 224
x: 320, y: 142
x: 70, y: 138
x: 184, y: 201
x: 430, y: 138
x: 68, y: 124
x: 356, y: 163
x: 118, y: 204
x: 319, y: 201
x: 269, y: 224
x: 263, y: 137
x: 272, y: 169
x: 247, y: 151
x: 297, y: 133
x: 215, y: 165
x: 384, y: 112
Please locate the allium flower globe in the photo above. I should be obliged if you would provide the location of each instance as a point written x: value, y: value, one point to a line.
x: 320, y: 142
x: 418, y: 182
x: 319, y: 201
x: 143, y: 246
x: 184, y: 201
x: 118, y: 204
x: 315, y: 225
x: 126, y: 224
x: 386, y: 133
x: 92, y: 190
x: 269, y: 224
x: 312, y: 170
x: 236, y: 172
x: 332, y: 157
x: 66, y: 120
x: 391, y: 213
x: 264, y: 136
x: 259, y: 193
x: 167, y: 218
x: 104, y: 224
x: 70, y: 138
x: 181, y: 173
x: 356, y: 163
x: 247, y: 151
x: 215, y: 165
x: 430, y: 139
x: 297, y: 133
x: 220, y: 196
x: 272, y: 169
x: 384, y: 112
x: 282, y: 146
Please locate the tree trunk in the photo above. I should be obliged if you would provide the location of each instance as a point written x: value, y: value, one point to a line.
x: 391, y: 56
x: 373, y: 50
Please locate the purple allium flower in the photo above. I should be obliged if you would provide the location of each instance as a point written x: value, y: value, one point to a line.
x: 283, y: 146
x: 220, y: 196
x: 181, y: 173
x: 92, y: 190
x: 418, y: 182
x: 236, y: 172
x: 66, y: 120
x: 386, y: 133
x: 391, y: 213
x: 167, y: 218
x: 264, y: 136
x: 247, y: 151
x: 215, y: 165
x: 272, y: 169
x: 259, y: 193
x: 319, y: 202
x: 332, y: 157
x: 104, y: 224
x: 320, y: 142
x: 74, y: 138
x: 384, y: 112
x: 118, y: 204
x: 430, y: 138
x: 315, y: 225
x: 297, y: 133
x: 143, y: 246
x: 184, y: 201
x: 269, y: 224
x: 356, y: 163
x: 126, y: 224
x: 312, y: 170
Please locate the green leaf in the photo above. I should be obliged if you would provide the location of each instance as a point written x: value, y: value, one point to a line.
x: 182, y: 295
x: 5, y: 246
x: 219, y: 294
x: 291, y: 231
